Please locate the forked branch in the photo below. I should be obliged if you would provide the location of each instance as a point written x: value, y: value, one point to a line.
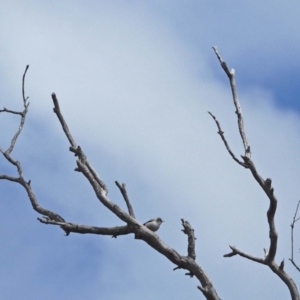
x: 7, y: 155
x: 230, y: 74
x: 266, y: 185
x: 101, y: 191
x: 182, y: 262
x: 22, y: 121
x: 221, y: 133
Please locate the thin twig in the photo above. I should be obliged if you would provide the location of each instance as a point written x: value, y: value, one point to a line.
x: 11, y: 111
x: 221, y: 133
x: 295, y: 219
x: 123, y: 191
x: 295, y: 265
x: 236, y: 251
x: 23, y: 86
x: 22, y: 114
x: 230, y: 74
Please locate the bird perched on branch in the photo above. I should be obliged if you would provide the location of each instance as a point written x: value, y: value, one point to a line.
x: 152, y: 224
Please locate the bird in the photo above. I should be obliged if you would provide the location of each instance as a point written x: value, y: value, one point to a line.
x: 152, y: 224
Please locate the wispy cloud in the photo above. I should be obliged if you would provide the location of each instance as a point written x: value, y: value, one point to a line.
x: 135, y: 82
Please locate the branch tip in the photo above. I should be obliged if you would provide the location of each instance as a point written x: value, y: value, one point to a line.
x: 281, y: 265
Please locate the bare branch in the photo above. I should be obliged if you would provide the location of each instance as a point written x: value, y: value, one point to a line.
x: 96, y: 176
x: 23, y: 86
x: 30, y: 193
x: 221, y: 133
x: 236, y: 102
x: 236, y: 251
x: 295, y: 219
x: 11, y: 111
x: 84, y: 229
x: 9, y: 178
x: 56, y: 109
x: 123, y: 191
x: 22, y: 114
x: 143, y: 232
x: 248, y: 163
x: 191, y: 238
x: 295, y: 265
x: 266, y: 185
x: 278, y: 270
x: 74, y: 148
x: 269, y: 190
x: 51, y: 215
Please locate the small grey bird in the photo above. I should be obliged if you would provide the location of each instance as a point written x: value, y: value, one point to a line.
x: 152, y: 224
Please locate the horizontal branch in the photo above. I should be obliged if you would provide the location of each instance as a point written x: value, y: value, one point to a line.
x: 84, y: 229
x: 11, y: 111
x: 236, y: 251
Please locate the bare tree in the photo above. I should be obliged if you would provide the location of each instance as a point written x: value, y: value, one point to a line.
x: 133, y: 226
x: 266, y: 185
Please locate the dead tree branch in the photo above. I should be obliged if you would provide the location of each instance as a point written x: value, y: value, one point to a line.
x: 84, y: 229
x: 7, y: 155
x: 295, y: 219
x: 123, y: 191
x: 101, y: 191
x: 83, y: 166
x: 236, y: 102
x: 221, y: 133
x: 187, y: 229
x: 266, y: 185
x: 22, y: 121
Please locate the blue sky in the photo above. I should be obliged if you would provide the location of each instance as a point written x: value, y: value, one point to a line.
x: 135, y: 80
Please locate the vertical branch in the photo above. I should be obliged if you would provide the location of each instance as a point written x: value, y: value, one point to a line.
x: 266, y: 185
x: 292, y: 237
x: 191, y: 238
x: 230, y: 74
x: 23, y: 85
x: 22, y: 114
x: 7, y: 154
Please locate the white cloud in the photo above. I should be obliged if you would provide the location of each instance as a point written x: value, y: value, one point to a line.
x: 136, y: 100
